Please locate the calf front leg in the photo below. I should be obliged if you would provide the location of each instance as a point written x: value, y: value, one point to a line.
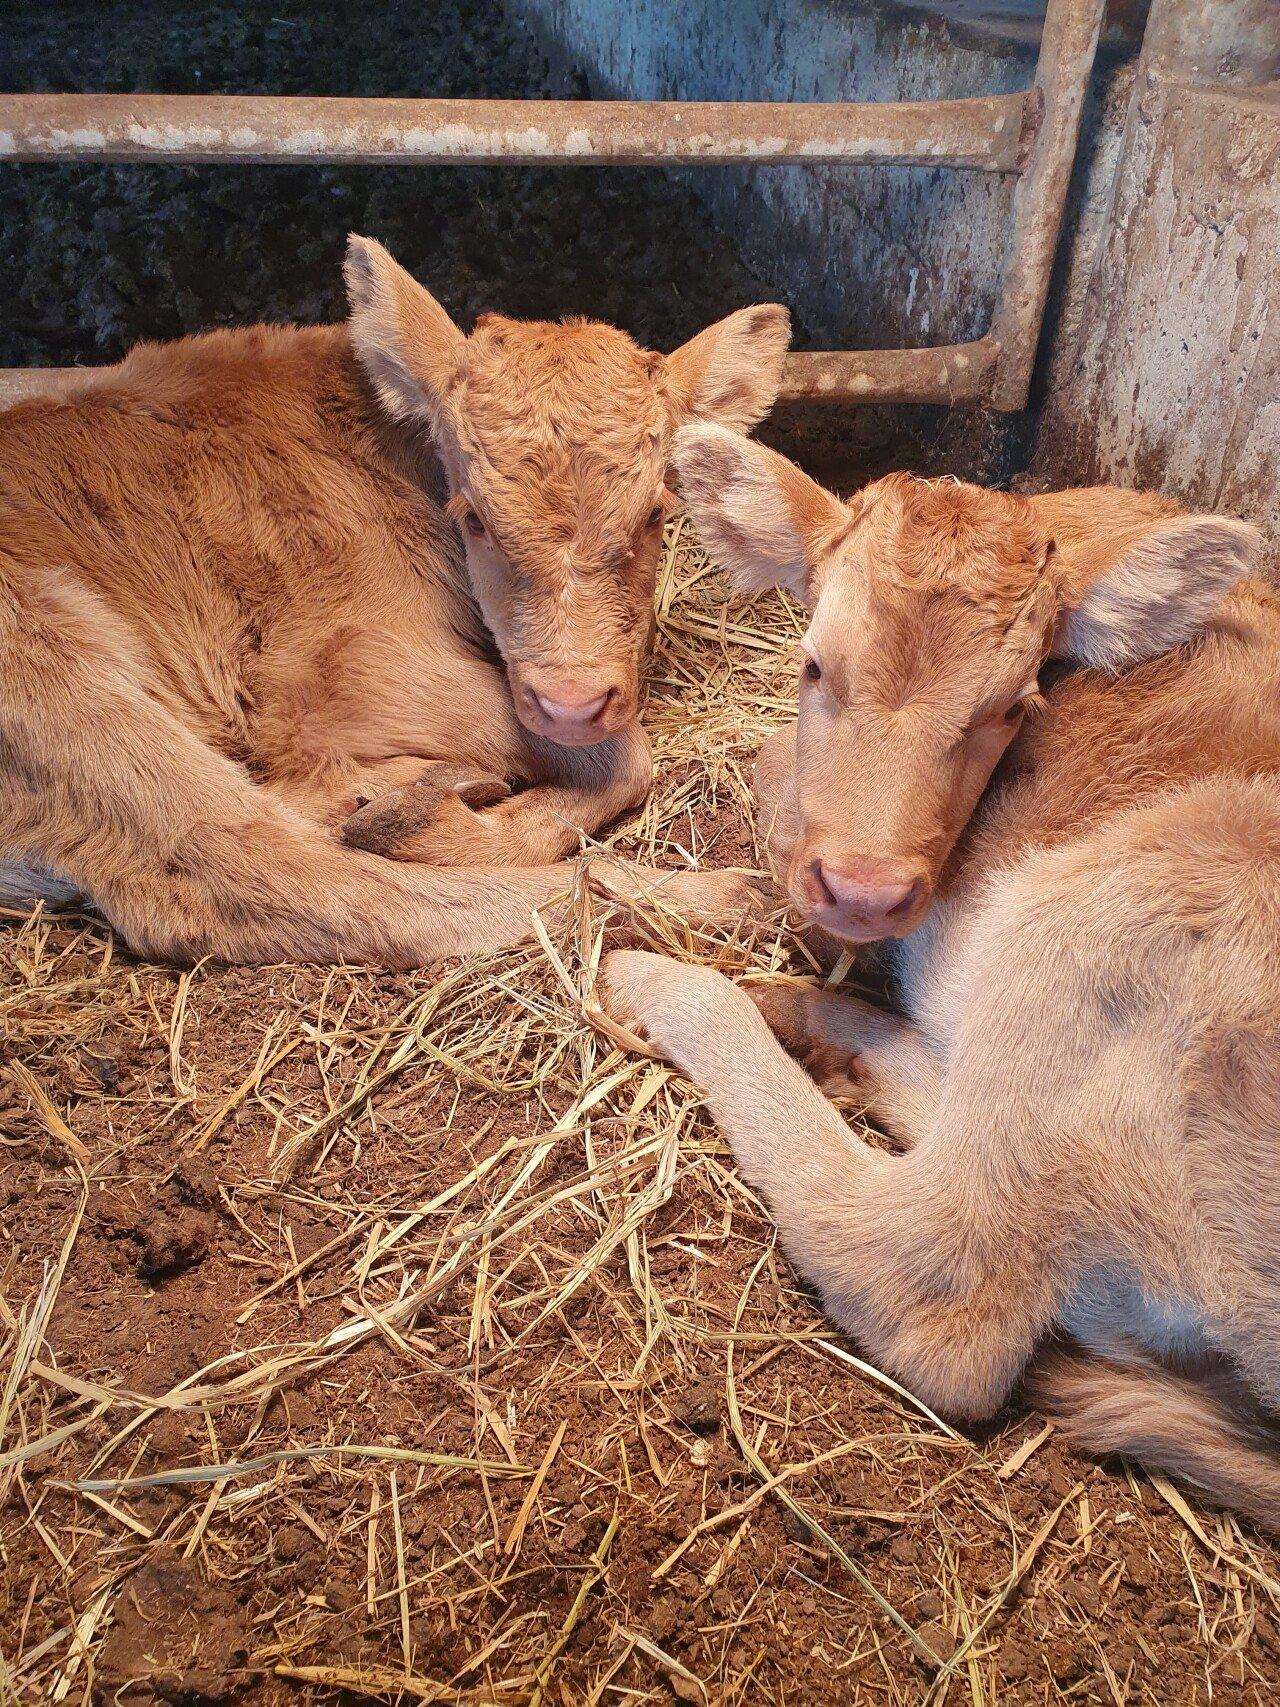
x: 934, y: 1278
x: 853, y: 1049
x: 477, y: 821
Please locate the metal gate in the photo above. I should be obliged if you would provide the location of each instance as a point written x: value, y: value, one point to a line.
x: 1030, y: 134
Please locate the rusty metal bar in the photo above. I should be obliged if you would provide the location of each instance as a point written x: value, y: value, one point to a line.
x: 942, y: 373
x: 19, y: 383
x: 949, y: 373
x: 1067, y: 49
x: 1032, y: 134
x: 983, y: 133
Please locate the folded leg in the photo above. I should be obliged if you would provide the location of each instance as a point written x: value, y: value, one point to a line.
x: 853, y: 1049
x: 474, y: 819
x: 933, y: 1275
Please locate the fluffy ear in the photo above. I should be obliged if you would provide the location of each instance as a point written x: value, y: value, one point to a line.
x: 405, y: 341
x: 731, y: 372
x: 756, y: 513
x: 1159, y: 592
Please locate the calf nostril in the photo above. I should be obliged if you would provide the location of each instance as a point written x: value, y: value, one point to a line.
x: 572, y: 710
x: 900, y: 908
x: 826, y: 895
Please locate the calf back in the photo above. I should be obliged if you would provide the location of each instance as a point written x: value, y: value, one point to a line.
x: 235, y: 502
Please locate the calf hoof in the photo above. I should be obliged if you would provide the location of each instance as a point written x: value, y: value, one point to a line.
x: 662, y: 1006
x: 427, y: 819
x: 628, y: 983
x: 791, y: 1012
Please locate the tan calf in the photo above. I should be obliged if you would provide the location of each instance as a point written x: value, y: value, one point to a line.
x: 1077, y: 871
x: 262, y: 584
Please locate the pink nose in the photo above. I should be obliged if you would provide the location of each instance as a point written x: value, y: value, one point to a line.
x: 865, y: 902
x: 571, y: 706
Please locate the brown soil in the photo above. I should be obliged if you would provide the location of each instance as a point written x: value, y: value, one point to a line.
x: 492, y: 1383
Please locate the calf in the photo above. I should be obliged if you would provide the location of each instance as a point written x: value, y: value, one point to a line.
x: 1036, y: 758
x: 263, y: 585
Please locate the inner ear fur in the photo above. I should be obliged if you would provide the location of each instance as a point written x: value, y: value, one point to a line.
x: 404, y: 340
x: 1156, y: 592
x: 730, y: 373
x: 757, y: 514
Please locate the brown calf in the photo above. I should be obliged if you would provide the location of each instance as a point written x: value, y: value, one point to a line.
x: 259, y: 583
x: 1038, y: 751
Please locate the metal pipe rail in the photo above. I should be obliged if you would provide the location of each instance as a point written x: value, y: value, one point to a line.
x: 983, y: 133
x: 1031, y: 134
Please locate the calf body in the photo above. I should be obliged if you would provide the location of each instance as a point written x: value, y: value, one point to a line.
x: 1086, y: 1074
x: 286, y: 615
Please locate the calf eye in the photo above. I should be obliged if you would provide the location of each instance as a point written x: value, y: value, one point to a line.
x: 812, y: 670
x: 656, y: 517
x: 1015, y: 711
x: 473, y: 524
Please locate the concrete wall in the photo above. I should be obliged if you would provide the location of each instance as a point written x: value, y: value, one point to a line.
x: 1164, y: 368
x: 865, y: 256
x: 870, y: 256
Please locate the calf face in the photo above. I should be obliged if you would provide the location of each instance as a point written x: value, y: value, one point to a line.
x: 554, y: 440
x: 934, y: 605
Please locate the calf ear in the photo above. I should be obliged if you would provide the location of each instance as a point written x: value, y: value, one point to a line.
x: 756, y: 513
x: 1159, y: 592
x: 731, y: 372
x: 405, y: 341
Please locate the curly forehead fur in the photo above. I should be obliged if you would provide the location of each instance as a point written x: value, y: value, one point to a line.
x: 562, y: 426
x: 945, y: 535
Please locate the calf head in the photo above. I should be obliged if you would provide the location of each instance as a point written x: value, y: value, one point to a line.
x: 934, y: 606
x: 554, y: 440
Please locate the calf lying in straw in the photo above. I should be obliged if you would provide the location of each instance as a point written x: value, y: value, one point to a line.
x: 1037, y: 756
x: 258, y: 585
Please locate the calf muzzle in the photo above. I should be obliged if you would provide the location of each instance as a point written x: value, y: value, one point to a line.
x: 573, y: 711
x: 862, y: 901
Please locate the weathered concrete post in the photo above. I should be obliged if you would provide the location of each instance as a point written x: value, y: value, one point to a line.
x: 1170, y: 374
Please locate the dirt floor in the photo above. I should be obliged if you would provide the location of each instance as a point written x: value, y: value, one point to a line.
x: 380, y: 1337
x: 370, y: 1337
